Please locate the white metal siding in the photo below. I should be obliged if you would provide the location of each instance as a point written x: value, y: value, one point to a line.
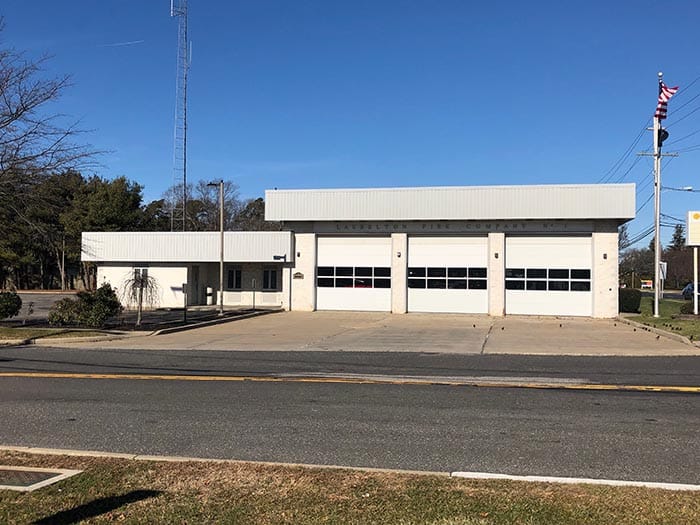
x: 457, y: 252
x: 169, y: 280
x: 581, y: 201
x: 549, y: 253
x: 185, y: 246
x: 354, y: 251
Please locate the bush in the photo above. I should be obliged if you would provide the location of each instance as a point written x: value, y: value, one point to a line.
x: 64, y: 313
x: 10, y: 304
x: 90, y: 309
x: 687, y: 308
x: 630, y: 299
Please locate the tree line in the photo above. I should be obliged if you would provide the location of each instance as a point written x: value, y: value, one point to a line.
x: 638, y: 263
x: 40, y: 247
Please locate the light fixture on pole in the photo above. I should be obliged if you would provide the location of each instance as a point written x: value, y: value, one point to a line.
x: 682, y: 188
x: 220, y: 184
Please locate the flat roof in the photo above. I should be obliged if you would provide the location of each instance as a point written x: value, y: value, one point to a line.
x: 554, y: 201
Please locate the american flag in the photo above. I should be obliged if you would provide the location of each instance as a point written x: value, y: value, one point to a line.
x: 665, y: 94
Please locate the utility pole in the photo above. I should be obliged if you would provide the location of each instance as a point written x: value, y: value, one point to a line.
x: 660, y: 134
x: 220, y: 184
x: 657, y: 205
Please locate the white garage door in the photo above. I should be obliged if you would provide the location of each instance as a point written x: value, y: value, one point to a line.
x: 353, y: 273
x: 548, y: 276
x: 448, y: 274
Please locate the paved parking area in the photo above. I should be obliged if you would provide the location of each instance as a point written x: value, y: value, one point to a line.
x: 429, y: 333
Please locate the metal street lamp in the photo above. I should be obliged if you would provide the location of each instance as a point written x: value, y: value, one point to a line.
x: 220, y: 184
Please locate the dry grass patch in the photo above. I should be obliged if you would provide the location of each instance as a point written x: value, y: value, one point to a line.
x: 213, y: 492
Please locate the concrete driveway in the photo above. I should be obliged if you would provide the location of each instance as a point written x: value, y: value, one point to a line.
x: 427, y: 333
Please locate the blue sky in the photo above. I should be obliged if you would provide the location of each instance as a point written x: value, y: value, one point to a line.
x: 328, y: 93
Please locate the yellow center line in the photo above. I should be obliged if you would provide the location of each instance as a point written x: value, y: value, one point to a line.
x: 358, y: 381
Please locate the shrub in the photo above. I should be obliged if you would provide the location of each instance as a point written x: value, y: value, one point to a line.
x: 64, y: 313
x: 630, y: 299
x: 10, y: 304
x: 91, y: 309
x: 687, y: 308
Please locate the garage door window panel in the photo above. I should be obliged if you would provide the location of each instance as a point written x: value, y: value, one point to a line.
x: 325, y: 271
x: 416, y: 272
x: 343, y: 282
x: 363, y: 283
x: 580, y: 286
x: 477, y: 272
x: 456, y: 272
x: 558, y: 286
x: 515, y: 285
x: 382, y: 272
x: 478, y: 284
x: 457, y: 284
x: 325, y: 282
x: 382, y: 283
x: 416, y: 283
x: 536, y: 285
x: 437, y: 284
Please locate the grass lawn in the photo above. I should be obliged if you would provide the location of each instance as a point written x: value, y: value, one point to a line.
x: 128, y: 491
x: 32, y: 333
x: 669, y: 309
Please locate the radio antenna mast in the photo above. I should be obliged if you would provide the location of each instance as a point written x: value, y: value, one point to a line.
x: 178, y: 210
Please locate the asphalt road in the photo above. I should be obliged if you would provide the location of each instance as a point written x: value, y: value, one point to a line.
x: 668, y: 370
x: 615, y: 435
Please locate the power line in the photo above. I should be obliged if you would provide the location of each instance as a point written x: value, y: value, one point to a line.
x: 619, y: 162
x: 645, y: 203
x: 683, y: 117
x: 684, y: 137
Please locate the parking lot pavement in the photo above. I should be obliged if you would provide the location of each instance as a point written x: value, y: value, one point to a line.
x: 430, y: 333
x: 550, y: 336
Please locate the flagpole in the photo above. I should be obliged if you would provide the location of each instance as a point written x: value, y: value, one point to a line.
x: 657, y: 207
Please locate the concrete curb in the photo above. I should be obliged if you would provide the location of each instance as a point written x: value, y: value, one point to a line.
x: 185, y: 459
x: 221, y: 320
x: 669, y: 335
x: 57, y: 341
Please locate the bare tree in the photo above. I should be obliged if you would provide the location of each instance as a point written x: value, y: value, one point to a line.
x: 203, y: 204
x: 35, y: 140
x: 141, y: 288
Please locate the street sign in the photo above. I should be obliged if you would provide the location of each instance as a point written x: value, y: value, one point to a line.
x: 692, y: 227
x: 663, y: 269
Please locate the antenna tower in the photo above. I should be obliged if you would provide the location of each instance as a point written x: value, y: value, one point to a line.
x: 178, y: 213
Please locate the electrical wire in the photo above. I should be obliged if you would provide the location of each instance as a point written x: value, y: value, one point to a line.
x: 623, y: 158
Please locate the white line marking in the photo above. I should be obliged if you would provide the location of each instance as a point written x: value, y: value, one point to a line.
x: 588, y: 481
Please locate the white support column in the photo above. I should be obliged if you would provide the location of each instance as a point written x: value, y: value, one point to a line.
x: 604, y: 274
x: 497, y: 274
x: 399, y: 270
x: 304, y: 273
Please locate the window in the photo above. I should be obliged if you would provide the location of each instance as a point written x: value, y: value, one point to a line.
x: 441, y: 278
x: 270, y: 279
x: 353, y: 277
x: 233, y: 279
x: 548, y: 279
x: 140, y: 273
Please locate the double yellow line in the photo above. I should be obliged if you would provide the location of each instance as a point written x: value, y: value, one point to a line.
x: 359, y: 381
